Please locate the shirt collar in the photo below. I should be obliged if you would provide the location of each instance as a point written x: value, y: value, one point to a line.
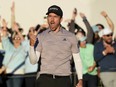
x: 60, y: 31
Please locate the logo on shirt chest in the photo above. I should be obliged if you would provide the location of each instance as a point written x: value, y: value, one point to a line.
x: 64, y: 39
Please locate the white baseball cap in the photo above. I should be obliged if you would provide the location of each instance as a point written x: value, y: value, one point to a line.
x: 106, y: 31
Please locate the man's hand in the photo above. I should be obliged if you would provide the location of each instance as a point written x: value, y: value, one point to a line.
x: 82, y: 15
x: 109, y: 49
x: 80, y: 83
x: 2, y: 69
x: 32, y: 37
x: 91, y: 68
x: 4, y: 23
x: 74, y: 14
x: 13, y: 8
x: 103, y: 13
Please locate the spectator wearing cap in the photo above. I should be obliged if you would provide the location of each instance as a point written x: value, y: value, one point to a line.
x: 101, y: 27
x: 105, y: 56
x: 89, y: 66
x: 56, y: 47
x: 94, y: 32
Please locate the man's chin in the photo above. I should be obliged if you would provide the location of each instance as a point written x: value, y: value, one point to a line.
x: 53, y: 28
x: 109, y: 42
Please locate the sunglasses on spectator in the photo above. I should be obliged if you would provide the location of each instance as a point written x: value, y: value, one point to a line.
x: 17, y: 38
x: 109, y: 35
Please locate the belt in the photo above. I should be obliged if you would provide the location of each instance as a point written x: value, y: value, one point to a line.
x: 53, y: 76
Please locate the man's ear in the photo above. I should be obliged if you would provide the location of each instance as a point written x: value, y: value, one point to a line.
x: 61, y: 19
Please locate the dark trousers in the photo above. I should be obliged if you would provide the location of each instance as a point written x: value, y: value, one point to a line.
x: 30, y: 80
x: 90, y: 80
x: 15, y: 81
x: 2, y: 82
x: 46, y: 80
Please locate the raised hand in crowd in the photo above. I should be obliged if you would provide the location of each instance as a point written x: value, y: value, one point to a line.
x: 103, y: 13
x: 13, y: 8
x: 4, y: 23
x: 12, y: 14
x: 82, y: 15
x: 74, y: 14
x: 4, y: 28
x: 109, y: 21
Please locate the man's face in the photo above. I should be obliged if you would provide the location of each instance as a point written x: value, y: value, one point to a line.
x: 83, y: 44
x: 79, y: 35
x: 100, y: 28
x: 54, y: 21
x: 108, y: 38
x: 17, y: 40
x: 31, y: 30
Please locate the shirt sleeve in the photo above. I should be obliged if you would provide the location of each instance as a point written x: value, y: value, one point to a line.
x: 75, y: 46
x: 33, y: 55
x: 39, y: 45
x: 98, y: 55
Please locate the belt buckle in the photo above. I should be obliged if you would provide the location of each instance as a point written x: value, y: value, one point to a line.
x: 54, y: 77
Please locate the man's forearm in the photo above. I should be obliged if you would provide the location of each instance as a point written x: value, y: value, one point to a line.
x: 33, y: 56
x: 78, y: 65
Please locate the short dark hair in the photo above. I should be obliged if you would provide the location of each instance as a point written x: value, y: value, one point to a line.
x: 100, y: 25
